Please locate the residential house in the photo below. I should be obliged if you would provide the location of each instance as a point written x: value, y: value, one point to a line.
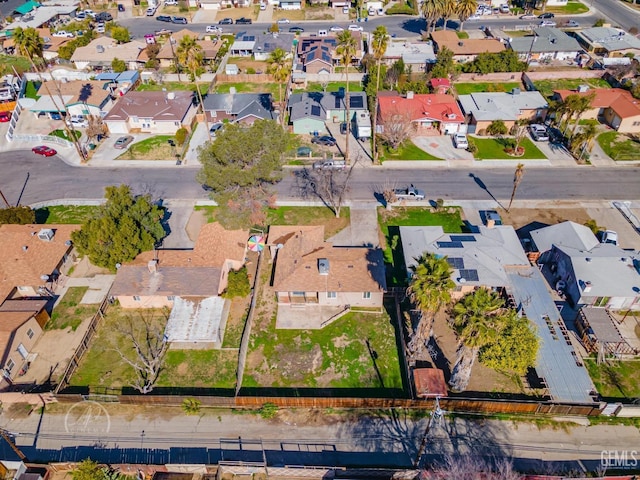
x: 430, y: 113
x: 465, y: 50
x: 78, y: 97
x: 587, y: 272
x: 32, y: 258
x: 316, y: 281
x: 243, y: 108
x: 477, y: 259
x: 268, y: 42
x: 21, y: 325
x: 100, y: 52
x: 545, y: 44
x: 51, y: 44
x: 439, y: 85
x: 152, y: 112
x: 34, y: 15
x: 119, y: 83
x: 417, y: 55
x: 482, y: 108
x: 156, y: 278
x: 614, y: 106
x: 290, y: 4
x: 309, y: 111
x: 608, y: 42
x: 243, y: 46
x: 169, y: 50
x: 318, y: 54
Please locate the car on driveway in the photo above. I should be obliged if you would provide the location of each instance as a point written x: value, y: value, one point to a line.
x: 304, y: 152
x: 226, y: 21
x: 122, y: 142
x: 104, y: 17
x: 283, y: 21
x: 100, y: 28
x: 164, y: 18
x: 244, y: 21
x: 324, y: 140
x: 355, y: 28
x: 213, y: 29
x: 528, y: 16
x: 215, y: 128
x: 546, y: 15
x: 547, y: 23
x: 120, y: 7
x: 609, y: 236
x: 44, y: 151
x: 572, y: 24
x: 460, y: 140
x: 296, y: 30
x: 5, y: 117
x: 63, y: 34
x: 336, y: 28
x: 539, y: 133
x: 179, y: 20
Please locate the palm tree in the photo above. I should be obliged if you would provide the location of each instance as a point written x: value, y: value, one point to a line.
x: 379, y: 44
x: 583, y: 103
x: 466, y: 8
x: 517, y: 178
x: 583, y: 141
x: 346, y: 50
x: 448, y: 9
x: 279, y: 67
x: 477, y: 322
x: 430, y: 10
x: 29, y: 43
x: 190, y: 54
x: 429, y: 290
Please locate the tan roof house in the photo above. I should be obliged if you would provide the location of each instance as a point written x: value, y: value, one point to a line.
x: 156, y: 278
x: 51, y: 44
x: 169, y: 49
x: 465, y: 50
x: 101, y: 52
x: 21, y: 324
x: 151, y: 112
x: 32, y: 257
x: 318, y: 282
x: 81, y: 97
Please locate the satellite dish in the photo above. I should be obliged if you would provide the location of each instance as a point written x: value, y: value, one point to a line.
x: 279, y: 246
x: 44, y: 278
x: 118, y: 265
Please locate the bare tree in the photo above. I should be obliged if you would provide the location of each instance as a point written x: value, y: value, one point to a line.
x: 96, y: 127
x: 463, y: 467
x: 149, y: 347
x: 397, y: 127
x: 388, y: 193
x: 329, y: 185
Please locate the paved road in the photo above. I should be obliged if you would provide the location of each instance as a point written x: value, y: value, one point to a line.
x: 41, y: 179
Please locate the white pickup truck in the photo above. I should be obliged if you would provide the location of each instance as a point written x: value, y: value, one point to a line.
x: 409, y: 193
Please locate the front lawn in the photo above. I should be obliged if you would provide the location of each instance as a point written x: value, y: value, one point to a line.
x: 247, y: 87
x: 65, y: 214
x: 390, y: 221
x: 572, y: 7
x: 546, y: 87
x: 69, y: 313
x: 619, y: 146
x: 153, y: 148
x: 185, y: 85
x: 407, y: 151
x: 493, y: 149
x: 309, y: 216
x: 31, y: 90
x: 62, y: 134
x: 467, y: 88
x: 617, y: 381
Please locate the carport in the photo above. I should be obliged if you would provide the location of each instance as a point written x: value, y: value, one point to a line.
x: 46, y: 104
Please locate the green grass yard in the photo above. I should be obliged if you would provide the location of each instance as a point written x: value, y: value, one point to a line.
x: 153, y: 148
x: 467, y: 88
x: 62, y: 134
x: 65, y: 214
x: 617, y: 381
x: 619, y: 146
x: 173, y: 86
x: 571, y: 8
x: 246, y: 87
x: 407, y: 151
x: 69, y: 313
x: 199, y: 369
x: 546, y: 87
x: 493, y: 149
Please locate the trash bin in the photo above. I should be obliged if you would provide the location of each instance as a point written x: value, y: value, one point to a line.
x: 92, y: 146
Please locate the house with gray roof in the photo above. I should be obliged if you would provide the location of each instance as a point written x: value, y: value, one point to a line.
x: 309, y: 111
x: 239, y: 107
x: 417, y: 55
x: 482, y: 108
x: 477, y: 259
x: 545, y: 44
x: 268, y: 42
x: 587, y: 272
x: 608, y: 42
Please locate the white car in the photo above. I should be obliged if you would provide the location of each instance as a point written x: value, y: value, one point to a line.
x: 460, y: 140
x: 171, y: 2
x: 100, y: 28
x: 528, y: 16
x: 355, y: 28
x: 336, y: 28
x: 90, y: 13
x: 213, y: 29
x: 283, y: 21
x: 151, y: 11
x: 547, y: 23
x: 63, y: 33
x: 609, y: 236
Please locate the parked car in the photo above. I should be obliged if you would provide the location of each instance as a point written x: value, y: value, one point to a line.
x: 504, y: 8
x: 5, y: 117
x: 77, y: 121
x: 343, y: 128
x: 81, y: 15
x: 55, y: 116
x: 336, y: 28
x: 355, y: 28
x: 244, y: 21
x: 213, y: 130
x: 263, y: 6
x: 546, y: 15
x: 120, y: 7
x: 547, y: 23
x: 90, y: 13
x: 380, y: 11
x: 527, y: 16
x: 460, y: 140
x: 324, y: 140
x: 179, y: 20
x: 283, y: 21
x: 213, y: 29
x: 409, y: 193
x: 63, y: 34
x: 151, y: 11
x: 104, y: 17
x: 303, y: 152
x: 164, y: 18
x: 162, y: 31
x: 226, y: 21
x: 171, y: 2
x: 345, y: 10
x: 609, y: 236
x: 100, y: 28
x: 572, y: 24
x: 539, y: 133
x: 330, y: 165
x: 44, y: 151
x: 296, y: 30
x: 122, y: 142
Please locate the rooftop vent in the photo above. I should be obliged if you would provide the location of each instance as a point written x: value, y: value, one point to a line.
x: 152, y: 266
x: 323, y: 266
x: 46, y: 234
x: 515, y: 91
x: 171, y: 95
x: 100, y: 48
x: 409, y: 95
x: 583, y: 88
x: 25, y: 248
x: 461, y: 44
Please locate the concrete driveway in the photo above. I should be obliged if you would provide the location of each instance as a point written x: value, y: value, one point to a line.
x: 556, y: 153
x: 442, y: 147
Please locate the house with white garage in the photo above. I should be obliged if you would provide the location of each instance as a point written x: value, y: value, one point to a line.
x: 545, y: 44
x: 417, y: 55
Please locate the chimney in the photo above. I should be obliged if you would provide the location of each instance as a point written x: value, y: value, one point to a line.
x: 409, y: 95
x: 171, y: 95
x: 152, y: 266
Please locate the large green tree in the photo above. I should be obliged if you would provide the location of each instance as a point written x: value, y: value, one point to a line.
x: 429, y: 290
x: 17, y: 215
x: 123, y: 227
x: 477, y: 322
x: 346, y: 50
x: 515, y: 349
x: 465, y: 9
x: 28, y: 42
x: 239, y: 168
x: 120, y: 34
x: 379, y: 42
x: 445, y: 66
x: 279, y: 67
x: 191, y: 55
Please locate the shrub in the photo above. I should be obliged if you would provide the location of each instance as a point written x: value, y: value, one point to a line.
x: 268, y: 410
x: 497, y: 127
x: 592, y: 225
x: 238, y: 285
x: 482, y: 132
x: 251, y: 71
x: 473, y: 148
x: 599, y: 22
x: 191, y: 406
x: 181, y: 136
x: 400, y: 9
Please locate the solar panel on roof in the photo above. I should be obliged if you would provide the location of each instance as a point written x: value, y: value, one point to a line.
x: 356, y: 102
x: 463, y: 238
x: 249, y: 38
x: 449, y: 244
x: 456, y: 263
x: 469, y: 275
x: 337, y: 100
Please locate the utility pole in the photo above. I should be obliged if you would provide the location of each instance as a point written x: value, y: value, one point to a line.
x: 4, y: 199
x: 9, y: 439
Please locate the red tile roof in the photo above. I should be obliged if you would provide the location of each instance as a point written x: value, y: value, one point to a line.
x: 621, y: 101
x: 429, y: 106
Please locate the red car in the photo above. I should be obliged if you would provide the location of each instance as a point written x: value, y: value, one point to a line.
x: 44, y: 151
x: 5, y: 117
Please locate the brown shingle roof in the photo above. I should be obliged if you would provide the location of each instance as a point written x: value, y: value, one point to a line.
x: 351, y: 269
x: 9, y: 323
x: 156, y: 105
x: 83, y: 91
x: 24, y: 267
x: 20, y: 305
x: 166, y: 281
x: 468, y: 46
x: 209, y: 48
